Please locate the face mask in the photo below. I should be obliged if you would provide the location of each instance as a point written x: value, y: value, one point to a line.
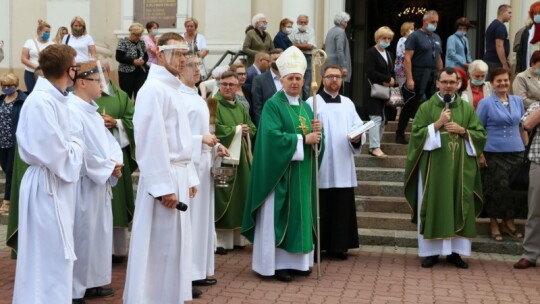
x: 77, y: 32
x: 460, y: 33
x: 288, y: 30
x: 274, y: 66
x: 384, y: 44
x: 536, y: 18
x: 302, y: 28
x: 477, y: 82
x: 74, y: 77
x: 431, y: 27
x: 263, y: 27
x: 411, y: 31
x: 8, y: 91
x: 537, y: 71
x: 45, y: 36
x: 155, y: 32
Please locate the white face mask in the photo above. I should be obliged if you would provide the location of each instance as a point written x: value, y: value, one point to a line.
x: 287, y: 30
x: 302, y: 28
x: 411, y: 31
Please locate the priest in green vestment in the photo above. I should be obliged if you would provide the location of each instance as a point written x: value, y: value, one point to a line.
x: 19, y: 168
x: 280, y: 214
x: 442, y: 175
x: 235, y: 130
x: 117, y: 110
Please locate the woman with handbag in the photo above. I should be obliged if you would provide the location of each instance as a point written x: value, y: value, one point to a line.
x: 30, y: 53
x: 501, y: 115
x: 380, y: 71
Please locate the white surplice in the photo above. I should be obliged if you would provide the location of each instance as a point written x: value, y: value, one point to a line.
x: 337, y: 169
x: 267, y: 258
x: 458, y: 245
x: 45, y: 258
x: 93, y: 214
x: 159, y: 264
x: 202, y: 205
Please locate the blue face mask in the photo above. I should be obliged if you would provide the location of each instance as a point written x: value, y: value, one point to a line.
x: 8, y: 91
x: 45, y: 36
x: 477, y: 82
x: 431, y: 27
x: 155, y: 32
x: 384, y: 44
x: 460, y: 33
x: 536, y: 18
x: 263, y: 27
x: 537, y: 71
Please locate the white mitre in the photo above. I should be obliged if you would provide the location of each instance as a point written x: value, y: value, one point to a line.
x: 291, y: 61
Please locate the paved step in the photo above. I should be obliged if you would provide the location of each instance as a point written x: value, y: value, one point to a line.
x: 379, y: 188
x: 387, y: 204
x: 398, y: 238
x: 380, y: 174
x: 391, y: 126
x: 388, y: 148
x: 402, y: 221
x: 392, y: 161
x: 390, y: 137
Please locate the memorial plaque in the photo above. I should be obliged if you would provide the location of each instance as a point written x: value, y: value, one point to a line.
x: 160, y: 11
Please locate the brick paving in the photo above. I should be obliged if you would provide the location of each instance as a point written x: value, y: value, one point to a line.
x: 372, y: 274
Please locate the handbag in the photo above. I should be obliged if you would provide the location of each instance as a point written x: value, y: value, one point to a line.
x: 396, y: 98
x: 518, y: 179
x: 379, y: 91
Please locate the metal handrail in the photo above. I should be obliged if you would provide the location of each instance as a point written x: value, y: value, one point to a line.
x: 234, y: 55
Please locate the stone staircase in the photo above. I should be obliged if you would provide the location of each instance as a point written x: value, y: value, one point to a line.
x: 382, y: 211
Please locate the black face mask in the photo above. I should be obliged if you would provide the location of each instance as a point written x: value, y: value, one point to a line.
x: 75, y: 69
x: 274, y: 65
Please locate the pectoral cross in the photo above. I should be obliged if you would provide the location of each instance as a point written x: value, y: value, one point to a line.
x: 303, y: 126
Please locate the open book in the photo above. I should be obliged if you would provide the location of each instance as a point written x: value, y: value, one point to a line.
x: 363, y: 128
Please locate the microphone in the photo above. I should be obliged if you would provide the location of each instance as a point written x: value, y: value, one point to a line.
x: 447, y: 99
x: 179, y: 206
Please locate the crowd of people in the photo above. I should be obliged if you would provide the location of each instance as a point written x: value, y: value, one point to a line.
x: 71, y: 142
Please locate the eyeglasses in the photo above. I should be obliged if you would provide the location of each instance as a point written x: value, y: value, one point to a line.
x: 228, y: 84
x: 331, y: 77
x: 448, y: 82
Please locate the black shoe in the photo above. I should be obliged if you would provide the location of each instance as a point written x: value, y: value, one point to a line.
x: 303, y: 273
x: 195, y: 292
x: 221, y: 251
x: 456, y: 260
x: 99, y: 292
x: 429, y: 261
x: 283, y: 275
x: 400, y: 139
x: 205, y: 282
x: 78, y: 301
x: 118, y: 259
x: 338, y: 255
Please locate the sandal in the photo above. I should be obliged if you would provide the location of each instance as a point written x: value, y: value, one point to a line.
x: 377, y: 152
x: 515, y: 234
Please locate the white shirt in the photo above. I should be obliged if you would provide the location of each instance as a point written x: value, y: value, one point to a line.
x: 33, y: 52
x: 276, y: 78
x: 80, y: 44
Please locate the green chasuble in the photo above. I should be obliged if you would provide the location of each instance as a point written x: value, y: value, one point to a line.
x: 293, y: 182
x: 19, y: 168
x: 121, y: 107
x: 230, y: 201
x: 452, y: 189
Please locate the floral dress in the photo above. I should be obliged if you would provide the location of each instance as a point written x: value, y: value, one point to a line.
x: 401, y: 76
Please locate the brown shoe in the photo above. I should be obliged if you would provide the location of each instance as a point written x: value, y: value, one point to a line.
x: 524, y: 264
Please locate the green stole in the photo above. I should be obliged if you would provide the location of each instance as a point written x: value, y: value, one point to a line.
x: 293, y: 182
x: 452, y: 189
x: 19, y: 168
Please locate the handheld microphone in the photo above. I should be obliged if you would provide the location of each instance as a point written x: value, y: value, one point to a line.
x: 447, y: 98
x: 179, y: 206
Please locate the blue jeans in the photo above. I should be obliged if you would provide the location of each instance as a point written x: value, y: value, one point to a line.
x: 29, y: 81
x: 376, y: 132
x: 306, y: 89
